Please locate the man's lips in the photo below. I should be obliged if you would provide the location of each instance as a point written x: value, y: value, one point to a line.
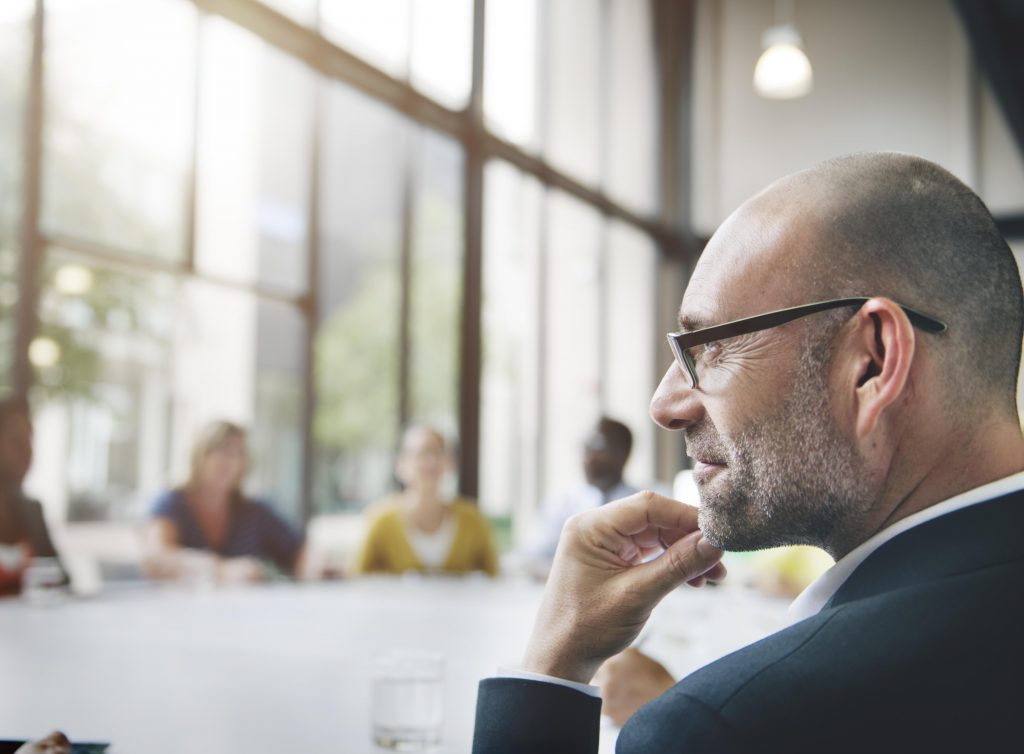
x: 704, y: 470
x: 707, y: 461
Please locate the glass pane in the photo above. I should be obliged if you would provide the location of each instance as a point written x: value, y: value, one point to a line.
x: 15, y: 53
x: 572, y: 326
x: 442, y: 49
x: 572, y: 103
x: 240, y: 358
x: 510, y: 69
x: 509, y: 435
x: 255, y: 130
x: 356, y: 348
x: 131, y: 365
x: 119, y: 119
x: 378, y: 30
x: 631, y: 339
x: 631, y: 148
x: 436, y: 295
x: 102, y: 359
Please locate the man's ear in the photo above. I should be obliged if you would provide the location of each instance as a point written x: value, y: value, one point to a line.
x: 882, y: 352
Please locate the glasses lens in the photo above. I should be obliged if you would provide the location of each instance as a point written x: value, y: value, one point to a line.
x: 684, y: 360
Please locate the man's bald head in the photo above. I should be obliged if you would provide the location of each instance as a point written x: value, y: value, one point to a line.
x: 900, y: 226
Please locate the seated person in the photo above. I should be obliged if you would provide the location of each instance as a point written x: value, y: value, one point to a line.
x: 210, y: 513
x: 23, y: 533
x: 605, y: 453
x: 418, y: 530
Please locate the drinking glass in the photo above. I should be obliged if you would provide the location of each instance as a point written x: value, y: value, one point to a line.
x: 407, y: 700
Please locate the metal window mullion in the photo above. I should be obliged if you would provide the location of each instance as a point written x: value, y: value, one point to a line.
x: 310, y: 309
x: 133, y: 262
x: 672, y: 36
x: 470, y: 350
x: 31, y: 257
x: 603, y: 314
x: 543, y: 217
x: 191, y: 187
x: 405, y: 252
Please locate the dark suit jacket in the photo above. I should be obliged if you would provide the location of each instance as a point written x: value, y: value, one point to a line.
x: 922, y: 649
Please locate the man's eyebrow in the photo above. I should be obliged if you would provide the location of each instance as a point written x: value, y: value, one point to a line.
x: 690, y: 322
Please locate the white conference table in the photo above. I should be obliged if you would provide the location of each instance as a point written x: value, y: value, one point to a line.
x: 287, y: 668
x: 281, y: 668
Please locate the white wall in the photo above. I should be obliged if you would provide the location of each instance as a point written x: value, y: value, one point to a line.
x: 888, y: 75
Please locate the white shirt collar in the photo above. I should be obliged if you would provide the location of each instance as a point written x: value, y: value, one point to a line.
x: 820, y: 591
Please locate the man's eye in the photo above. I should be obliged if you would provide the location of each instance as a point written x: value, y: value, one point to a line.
x: 710, y: 352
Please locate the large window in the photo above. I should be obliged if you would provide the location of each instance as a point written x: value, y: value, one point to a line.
x: 436, y: 281
x: 569, y: 335
x: 509, y: 417
x: 232, y: 225
x: 363, y: 167
x: 426, y: 42
x: 575, y: 80
x: 254, y: 161
x: 103, y: 385
x: 118, y: 134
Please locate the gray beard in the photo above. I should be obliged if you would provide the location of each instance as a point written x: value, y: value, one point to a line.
x: 792, y: 477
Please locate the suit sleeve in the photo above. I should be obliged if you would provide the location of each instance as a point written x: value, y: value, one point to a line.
x: 515, y: 715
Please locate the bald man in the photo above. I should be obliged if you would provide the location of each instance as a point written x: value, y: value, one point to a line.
x: 845, y: 374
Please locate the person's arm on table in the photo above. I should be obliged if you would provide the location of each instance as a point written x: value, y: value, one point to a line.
x: 598, y: 597
x: 628, y: 681
x: 166, y: 560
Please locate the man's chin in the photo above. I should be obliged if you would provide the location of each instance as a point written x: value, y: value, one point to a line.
x: 731, y: 530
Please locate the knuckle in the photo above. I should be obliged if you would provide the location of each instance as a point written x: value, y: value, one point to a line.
x: 574, y: 524
x: 679, y: 562
x: 647, y: 497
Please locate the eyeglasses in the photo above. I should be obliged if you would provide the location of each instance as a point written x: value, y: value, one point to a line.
x: 682, y: 343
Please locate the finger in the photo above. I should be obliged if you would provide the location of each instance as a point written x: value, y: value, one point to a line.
x: 687, y: 559
x: 717, y: 573
x: 636, y: 525
x: 648, y: 511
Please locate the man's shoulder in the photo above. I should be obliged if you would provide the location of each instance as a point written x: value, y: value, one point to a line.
x: 895, y: 660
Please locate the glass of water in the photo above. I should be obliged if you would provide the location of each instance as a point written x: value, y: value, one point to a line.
x: 408, y: 688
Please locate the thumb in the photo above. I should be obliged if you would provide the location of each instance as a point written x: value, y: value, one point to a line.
x: 685, y: 559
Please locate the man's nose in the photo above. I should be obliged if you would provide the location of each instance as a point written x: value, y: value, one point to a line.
x: 675, y: 404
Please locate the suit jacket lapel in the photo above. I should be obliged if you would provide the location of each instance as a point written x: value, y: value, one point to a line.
x: 980, y: 535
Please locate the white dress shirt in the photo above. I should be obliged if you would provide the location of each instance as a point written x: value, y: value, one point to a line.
x: 820, y: 591
x: 559, y: 508
x: 814, y: 597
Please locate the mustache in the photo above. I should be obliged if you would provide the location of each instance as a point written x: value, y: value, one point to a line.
x: 704, y: 443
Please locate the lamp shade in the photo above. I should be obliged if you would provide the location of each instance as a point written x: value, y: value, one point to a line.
x: 783, y: 70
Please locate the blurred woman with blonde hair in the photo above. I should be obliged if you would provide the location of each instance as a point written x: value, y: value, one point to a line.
x: 210, y: 522
x: 418, y: 529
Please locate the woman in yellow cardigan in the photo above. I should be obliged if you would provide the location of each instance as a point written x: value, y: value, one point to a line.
x: 416, y: 529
